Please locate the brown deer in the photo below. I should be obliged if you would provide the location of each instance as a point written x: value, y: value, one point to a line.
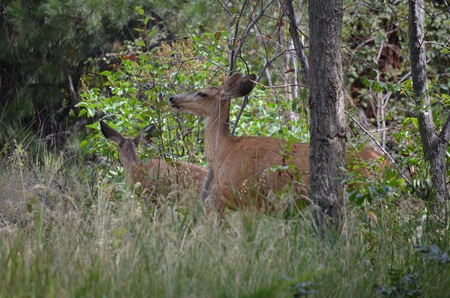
x: 157, y: 176
x: 246, y: 169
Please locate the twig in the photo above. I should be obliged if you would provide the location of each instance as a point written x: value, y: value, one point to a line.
x: 282, y: 86
x: 236, y: 53
x: 381, y: 147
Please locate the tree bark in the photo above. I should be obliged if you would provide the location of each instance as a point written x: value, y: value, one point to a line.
x: 326, y: 100
x: 434, y: 144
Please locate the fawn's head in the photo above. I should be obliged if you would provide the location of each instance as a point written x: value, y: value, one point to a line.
x: 203, y: 102
x: 127, y: 146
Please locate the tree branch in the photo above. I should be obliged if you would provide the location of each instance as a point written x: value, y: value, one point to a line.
x: 237, y: 52
x: 74, y: 99
x: 381, y: 148
x: 244, y: 104
x: 298, y: 44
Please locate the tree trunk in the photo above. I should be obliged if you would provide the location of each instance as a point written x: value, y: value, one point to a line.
x: 326, y: 100
x: 434, y: 144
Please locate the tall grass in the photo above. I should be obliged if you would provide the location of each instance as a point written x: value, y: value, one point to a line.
x: 67, y: 232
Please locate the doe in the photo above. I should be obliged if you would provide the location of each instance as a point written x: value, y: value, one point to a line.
x: 246, y: 169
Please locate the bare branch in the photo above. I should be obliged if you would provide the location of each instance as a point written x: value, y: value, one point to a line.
x: 237, y: 52
x: 258, y: 77
x: 298, y: 44
x: 74, y: 99
x: 381, y: 148
x: 280, y: 86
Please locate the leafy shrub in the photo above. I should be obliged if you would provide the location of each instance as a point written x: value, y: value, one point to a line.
x: 132, y: 94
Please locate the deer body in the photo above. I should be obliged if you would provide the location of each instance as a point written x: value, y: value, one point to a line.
x: 246, y: 169
x: 156, y: 176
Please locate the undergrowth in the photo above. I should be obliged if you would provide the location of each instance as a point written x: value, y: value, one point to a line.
x: 66, y: 231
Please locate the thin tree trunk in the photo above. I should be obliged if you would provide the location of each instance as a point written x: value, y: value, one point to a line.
x: 434, y: 144
x: 298, y: 44
x: 326, y: 100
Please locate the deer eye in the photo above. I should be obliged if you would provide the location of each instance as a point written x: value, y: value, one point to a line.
x: 201, y: 94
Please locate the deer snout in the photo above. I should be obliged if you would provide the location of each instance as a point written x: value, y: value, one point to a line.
x: 173, y: 102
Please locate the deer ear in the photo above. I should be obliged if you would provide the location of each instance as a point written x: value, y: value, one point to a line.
x: 248, y: 83
x: 232, y: 86
x: 110, y: 133
x: 148, y: 133
x: 137, y: 139
x: 237, y: 85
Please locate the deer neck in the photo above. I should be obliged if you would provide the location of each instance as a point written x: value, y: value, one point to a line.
x: 132, y: 165
x: 217, y: 131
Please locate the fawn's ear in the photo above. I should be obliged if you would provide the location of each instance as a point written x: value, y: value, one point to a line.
x: 110, y: 133
x: 137, y: 139
x: 237, y: 85
x: 148, y: 133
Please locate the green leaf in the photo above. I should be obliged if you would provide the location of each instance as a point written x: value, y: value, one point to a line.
x: 82, y: 104
x: 91, y: 112
x: 144, y: 57
x: 151, y: 33
x: 93, y: 126
x: 394, y: 87
x: 377, y: 87
x: 366, y: 81
x: 373, y: 74
x: 379, y: 39
x: 84, y: 143
x: 139, y: 10
x: 140, y: 43
x: 82, y: 112
x: 357, y: 198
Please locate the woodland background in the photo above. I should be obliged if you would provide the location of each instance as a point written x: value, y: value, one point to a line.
x: 64, y: 65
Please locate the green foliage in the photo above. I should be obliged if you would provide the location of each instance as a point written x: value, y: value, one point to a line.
x: 375, y: 39
x: 268, y: 114
x: 133, y: 94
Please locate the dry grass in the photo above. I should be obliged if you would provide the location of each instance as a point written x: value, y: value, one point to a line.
x: 66, y: 231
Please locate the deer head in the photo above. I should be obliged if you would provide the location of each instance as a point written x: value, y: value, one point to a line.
x: 204, y: 102
x: 128, y: 154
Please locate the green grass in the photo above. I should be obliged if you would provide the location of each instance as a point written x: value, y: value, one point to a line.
x: 68, y: 232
